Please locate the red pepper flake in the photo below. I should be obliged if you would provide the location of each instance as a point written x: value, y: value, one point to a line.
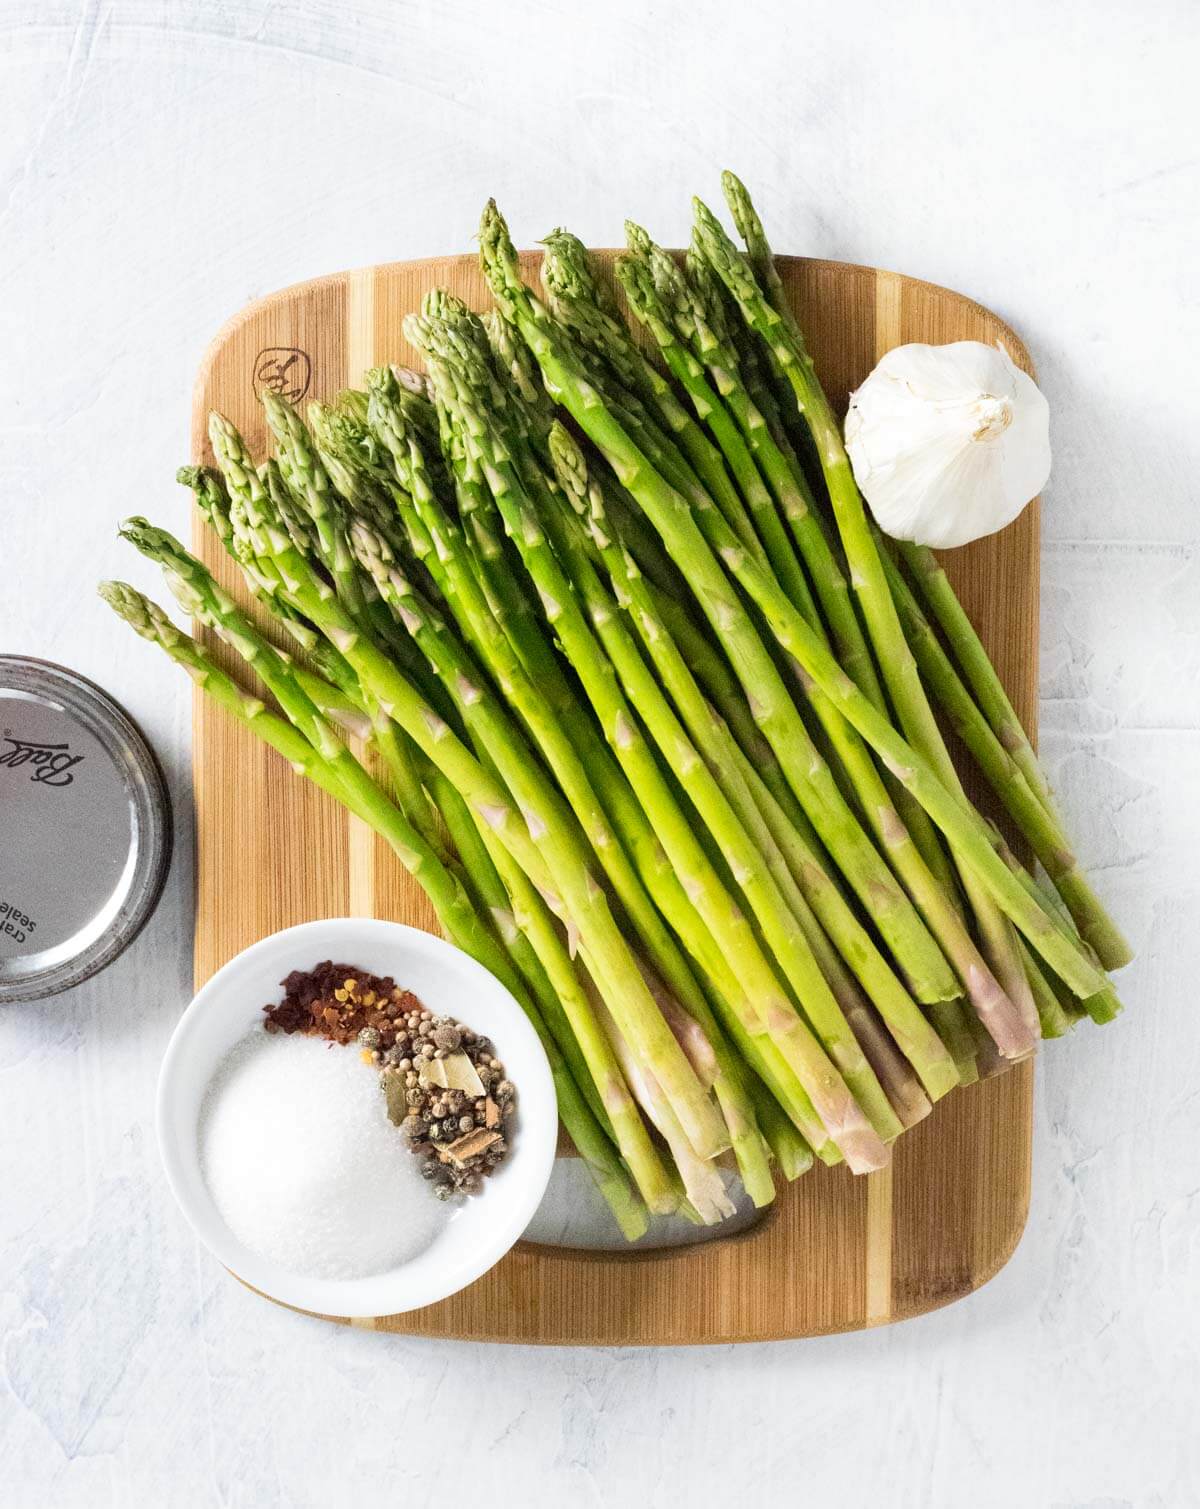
x: 337, y: 1001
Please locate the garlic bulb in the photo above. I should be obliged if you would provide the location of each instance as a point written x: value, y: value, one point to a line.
x: 948, y: 443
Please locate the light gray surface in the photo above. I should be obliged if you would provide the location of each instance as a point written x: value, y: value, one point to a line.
x: 160, y: 165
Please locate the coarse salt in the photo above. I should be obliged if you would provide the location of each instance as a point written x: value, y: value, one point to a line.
x: 304, y: 1165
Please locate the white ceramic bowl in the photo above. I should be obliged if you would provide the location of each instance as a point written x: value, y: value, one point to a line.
x: 483, y: 1228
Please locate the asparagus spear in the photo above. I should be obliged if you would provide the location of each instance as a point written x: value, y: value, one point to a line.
x: 1037, y: 822
x: 514, y: 362
x: 703, y: 1186
x: 319, y: 754
x: 305, y: 474
x: 253, y: 499
x: 962, y: 826
x: 934, y: 585
x: 346, y: 448
x: 792, y: 1153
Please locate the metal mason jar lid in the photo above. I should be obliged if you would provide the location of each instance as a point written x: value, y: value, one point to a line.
x: 85, y: 829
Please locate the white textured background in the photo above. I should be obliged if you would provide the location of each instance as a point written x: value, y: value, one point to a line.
x: 160, y: 164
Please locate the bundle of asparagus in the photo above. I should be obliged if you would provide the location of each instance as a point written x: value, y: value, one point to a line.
x: 655, y: 703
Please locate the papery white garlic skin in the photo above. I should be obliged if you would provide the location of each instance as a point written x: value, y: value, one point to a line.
x: 948, y: 443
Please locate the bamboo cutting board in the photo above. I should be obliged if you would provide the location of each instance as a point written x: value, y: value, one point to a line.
x: 835, y: 1252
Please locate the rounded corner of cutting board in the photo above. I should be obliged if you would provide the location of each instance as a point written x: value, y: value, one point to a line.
x: 1006, y: 1245
x: 967, y: 307
x: 836, y: 1253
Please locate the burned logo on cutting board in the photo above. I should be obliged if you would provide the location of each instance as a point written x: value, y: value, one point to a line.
x: 284, y: 370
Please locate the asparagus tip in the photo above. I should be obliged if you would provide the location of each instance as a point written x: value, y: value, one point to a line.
x: 636, y: 237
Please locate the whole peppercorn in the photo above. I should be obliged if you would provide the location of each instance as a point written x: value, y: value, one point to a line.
x: 465, y: 1123
x: 413, y: 1127
x: 447, y: 1038
x: 369, y: 1038
x: 414, y: 1097
x: 505, y: 1090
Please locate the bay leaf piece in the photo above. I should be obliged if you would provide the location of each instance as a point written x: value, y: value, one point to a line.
x: 395, y: 1095
x: 454, y: 1072
x: 461, y: 1074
